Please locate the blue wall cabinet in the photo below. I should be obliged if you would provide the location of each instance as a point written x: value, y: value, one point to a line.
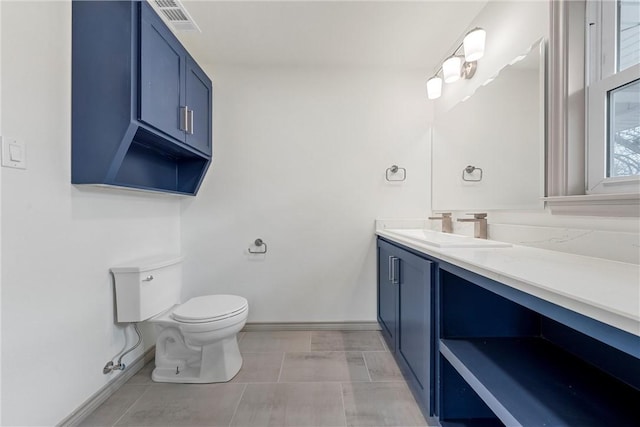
x: 405, y: 287
x: 141, y: 106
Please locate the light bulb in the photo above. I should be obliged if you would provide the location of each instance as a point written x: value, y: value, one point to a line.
x: 451, y: 69
x: 434, y: 87
x: 474, y: 44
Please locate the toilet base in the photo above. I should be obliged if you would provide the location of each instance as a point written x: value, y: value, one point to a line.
x: 178, y: 362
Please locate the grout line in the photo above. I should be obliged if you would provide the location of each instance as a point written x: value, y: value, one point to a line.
x: 344, y: 407
x: 325, y: 381
x: 315, y: 351
x: 281, y: 366
x: 235, y: 411
x: 366, y: 367
x: 148, y: 387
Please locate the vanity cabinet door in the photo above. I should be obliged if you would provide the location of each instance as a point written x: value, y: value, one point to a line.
x: 405, y: 315
x: 414, y: 319
x: 388, y: 293
x: 162, y: 69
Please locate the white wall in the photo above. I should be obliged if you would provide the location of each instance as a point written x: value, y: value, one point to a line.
x: 59, y: 241
x: 299, y: 161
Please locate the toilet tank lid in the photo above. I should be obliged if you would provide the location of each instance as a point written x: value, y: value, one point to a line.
x: 147, y: 264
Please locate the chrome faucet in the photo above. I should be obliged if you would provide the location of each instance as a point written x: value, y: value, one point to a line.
x: 447, y: 225
x: 480, y: 227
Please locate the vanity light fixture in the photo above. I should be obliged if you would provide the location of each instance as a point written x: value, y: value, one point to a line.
x: 456, y: 66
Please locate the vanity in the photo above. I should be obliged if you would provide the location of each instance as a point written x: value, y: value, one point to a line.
x: 488, y: 333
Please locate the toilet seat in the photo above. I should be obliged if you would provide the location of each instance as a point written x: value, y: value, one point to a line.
x: 209, y: 308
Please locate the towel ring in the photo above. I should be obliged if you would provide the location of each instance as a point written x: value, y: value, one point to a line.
x: 468, y: 171
x: 394, y: 169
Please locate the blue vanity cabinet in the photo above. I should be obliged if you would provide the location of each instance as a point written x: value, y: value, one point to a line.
x: 405, y: 287
x: 141, y: 106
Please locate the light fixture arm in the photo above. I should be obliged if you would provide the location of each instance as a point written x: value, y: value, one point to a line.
x: 469, y: 69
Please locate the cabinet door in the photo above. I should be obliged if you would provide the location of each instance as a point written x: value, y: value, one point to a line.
x: 414, y: 318
x: 162, y: 68
x: 388, y: 293
x: 199, y: 103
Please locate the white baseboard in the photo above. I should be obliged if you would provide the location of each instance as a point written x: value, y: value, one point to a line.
x: 312, y: 326
x: 98, y: 398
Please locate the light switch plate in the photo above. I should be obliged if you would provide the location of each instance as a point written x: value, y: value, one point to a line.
x: 14, y: 153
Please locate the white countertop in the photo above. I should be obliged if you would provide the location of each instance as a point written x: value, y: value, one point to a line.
x: 608, y: 291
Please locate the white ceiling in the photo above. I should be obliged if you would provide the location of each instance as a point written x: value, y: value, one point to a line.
x: 396, y: 34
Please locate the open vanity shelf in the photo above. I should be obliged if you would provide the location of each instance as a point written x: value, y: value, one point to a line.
x: 514, y: 366
x: 501, y: 369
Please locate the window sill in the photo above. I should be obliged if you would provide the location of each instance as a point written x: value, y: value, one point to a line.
x: 618, y: 205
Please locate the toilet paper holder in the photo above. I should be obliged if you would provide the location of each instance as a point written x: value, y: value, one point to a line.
x: 259, y: 243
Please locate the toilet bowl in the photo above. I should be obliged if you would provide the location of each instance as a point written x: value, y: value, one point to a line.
x: 196, y: 340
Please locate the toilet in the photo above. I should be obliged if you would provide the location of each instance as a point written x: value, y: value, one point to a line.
x: 196, y: 340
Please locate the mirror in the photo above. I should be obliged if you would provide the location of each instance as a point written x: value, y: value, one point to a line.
x: 488, y: 150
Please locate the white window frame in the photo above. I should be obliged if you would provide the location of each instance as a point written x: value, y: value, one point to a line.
x: 567, y: 147
x: 602, y: 77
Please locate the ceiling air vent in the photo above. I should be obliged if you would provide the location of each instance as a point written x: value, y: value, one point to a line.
x: 176, y: 14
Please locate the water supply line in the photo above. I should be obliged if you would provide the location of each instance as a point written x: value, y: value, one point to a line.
x: 110, y: 366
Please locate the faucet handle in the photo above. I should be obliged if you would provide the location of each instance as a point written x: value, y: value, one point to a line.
x: 479, y: 215
x: 444, y: 215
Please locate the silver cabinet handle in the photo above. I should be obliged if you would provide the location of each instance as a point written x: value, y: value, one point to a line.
x: 190, y: 122
x: 148, y: 278
x: 390, y: 268
x: 184, y: 118
x: 395, y: 280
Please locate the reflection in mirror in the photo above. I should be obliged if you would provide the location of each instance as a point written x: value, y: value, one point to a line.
x: 488, y: 150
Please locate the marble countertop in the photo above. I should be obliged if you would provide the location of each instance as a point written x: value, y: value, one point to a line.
x: 608, y: 291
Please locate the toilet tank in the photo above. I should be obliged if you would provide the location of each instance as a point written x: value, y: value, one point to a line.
x: 147, y: 287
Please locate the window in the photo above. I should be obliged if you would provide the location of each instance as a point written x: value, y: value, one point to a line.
x: 623, y: 136
x: 613, y: 96
x: 593, y: 114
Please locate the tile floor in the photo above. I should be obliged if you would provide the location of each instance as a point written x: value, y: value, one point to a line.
x: 288, y: 379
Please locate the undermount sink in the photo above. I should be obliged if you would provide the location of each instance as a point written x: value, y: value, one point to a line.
x: 446, y: 240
